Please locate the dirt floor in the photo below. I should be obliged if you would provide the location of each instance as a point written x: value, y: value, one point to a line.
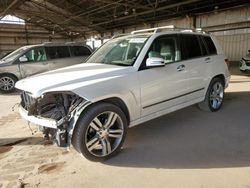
x: 187, y: 148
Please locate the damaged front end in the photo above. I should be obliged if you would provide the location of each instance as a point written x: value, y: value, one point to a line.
x: 56, y: 113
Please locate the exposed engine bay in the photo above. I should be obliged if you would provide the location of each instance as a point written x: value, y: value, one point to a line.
x: 61, y: 107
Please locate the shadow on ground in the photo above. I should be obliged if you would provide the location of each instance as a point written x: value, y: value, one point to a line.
x: 181, y: 140
x: 16, y: 92
x: 24, y: 141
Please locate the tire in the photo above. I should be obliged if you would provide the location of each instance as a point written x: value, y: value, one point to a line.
x: 100, y: 132
x: 7, y: 83
x: 214, y: 96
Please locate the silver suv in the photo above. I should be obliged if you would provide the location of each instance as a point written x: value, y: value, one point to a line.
x: 34, y: 59
x: 128, y: 81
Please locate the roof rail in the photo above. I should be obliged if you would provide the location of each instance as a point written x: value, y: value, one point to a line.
x: 73, y: 42
x: 154, y: 30
x: 118, y: 35
x: 168, y: 27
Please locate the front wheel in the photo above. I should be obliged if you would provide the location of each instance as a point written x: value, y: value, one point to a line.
x: 214, y: 96
x: 100, y: 132
x: 7, y: 83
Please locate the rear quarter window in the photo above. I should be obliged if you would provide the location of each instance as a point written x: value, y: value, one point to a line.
x: 210, y: 45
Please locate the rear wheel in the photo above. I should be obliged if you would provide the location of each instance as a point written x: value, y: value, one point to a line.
x: 7, y: 83
x: 214, y: 96
x: 100, y: 132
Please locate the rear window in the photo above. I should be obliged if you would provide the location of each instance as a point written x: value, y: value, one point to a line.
x: 58, y: 52
x: 210, y: 45
x: 191, y: 46
x: 80, y: 51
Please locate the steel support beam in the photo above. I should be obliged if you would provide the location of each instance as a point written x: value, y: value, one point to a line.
x: 12, y: 6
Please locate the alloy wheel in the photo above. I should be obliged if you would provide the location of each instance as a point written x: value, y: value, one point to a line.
x: 6, y: 83
x: 216, y: 95
x: 104, y: 134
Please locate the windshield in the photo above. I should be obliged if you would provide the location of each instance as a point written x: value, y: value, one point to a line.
x: 12, y: 56
x: 120, y: 51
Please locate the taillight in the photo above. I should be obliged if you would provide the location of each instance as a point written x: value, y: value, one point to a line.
x: 227, y: 62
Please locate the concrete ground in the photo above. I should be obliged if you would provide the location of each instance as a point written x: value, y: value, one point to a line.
x: 188, y: 148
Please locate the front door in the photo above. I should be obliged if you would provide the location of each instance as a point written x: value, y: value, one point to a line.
x: 36, y: 62
x: 163, y: 87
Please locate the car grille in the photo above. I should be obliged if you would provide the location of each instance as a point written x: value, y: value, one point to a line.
x: 27, y: 101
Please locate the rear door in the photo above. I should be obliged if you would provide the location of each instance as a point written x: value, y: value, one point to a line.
x: 37, y: 62
x: 196, y: 61
x: 59, y: 56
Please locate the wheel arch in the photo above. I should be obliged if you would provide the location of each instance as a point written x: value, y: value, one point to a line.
x: 222, y: 77
x: 119, y: 103
x: 9, y: 74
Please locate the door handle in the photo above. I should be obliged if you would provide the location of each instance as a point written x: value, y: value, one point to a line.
x: 181, y: 68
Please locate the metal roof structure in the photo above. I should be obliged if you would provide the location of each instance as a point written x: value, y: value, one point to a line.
x: 78, y: 17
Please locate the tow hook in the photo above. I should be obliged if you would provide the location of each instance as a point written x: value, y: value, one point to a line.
x: 61, y: 138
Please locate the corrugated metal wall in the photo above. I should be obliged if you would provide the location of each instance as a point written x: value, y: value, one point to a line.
x: 235, y: 46
x: 234, y: 42
x: 231, y: 28
x: 15, y: 36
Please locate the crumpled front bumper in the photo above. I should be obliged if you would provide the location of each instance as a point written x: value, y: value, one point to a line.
x: 45, y: 122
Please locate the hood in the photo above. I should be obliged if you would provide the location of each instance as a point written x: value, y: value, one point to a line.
x: 4, y: 63
x: 71, y: 78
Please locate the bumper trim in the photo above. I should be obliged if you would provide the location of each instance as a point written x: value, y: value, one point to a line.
x: 45, y: 122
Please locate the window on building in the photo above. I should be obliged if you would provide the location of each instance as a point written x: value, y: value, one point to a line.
x: 9, y: 19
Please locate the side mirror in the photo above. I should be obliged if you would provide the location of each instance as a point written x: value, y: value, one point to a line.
x: 249, y: 51
x: 155, y: 62
x: 23, y: 58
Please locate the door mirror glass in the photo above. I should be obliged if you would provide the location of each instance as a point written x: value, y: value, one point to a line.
x: 155, y: 62
x: 23, y: 58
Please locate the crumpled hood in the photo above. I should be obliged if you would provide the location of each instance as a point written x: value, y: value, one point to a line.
x: 70, y: 78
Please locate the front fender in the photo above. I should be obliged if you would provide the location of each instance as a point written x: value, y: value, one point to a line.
x: 127, y: 90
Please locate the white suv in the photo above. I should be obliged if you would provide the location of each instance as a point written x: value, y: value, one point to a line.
x: 129, y: 80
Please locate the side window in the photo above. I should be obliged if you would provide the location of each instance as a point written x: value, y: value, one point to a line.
x: 63, y: 51
x: 80, y: 51
x: 58, y: 52
x: 36, y: 55
x: 165, y: 47
x: 191, y: 46
x: 210, y: 45
x: 203, y: 47
x: 52, y: 52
